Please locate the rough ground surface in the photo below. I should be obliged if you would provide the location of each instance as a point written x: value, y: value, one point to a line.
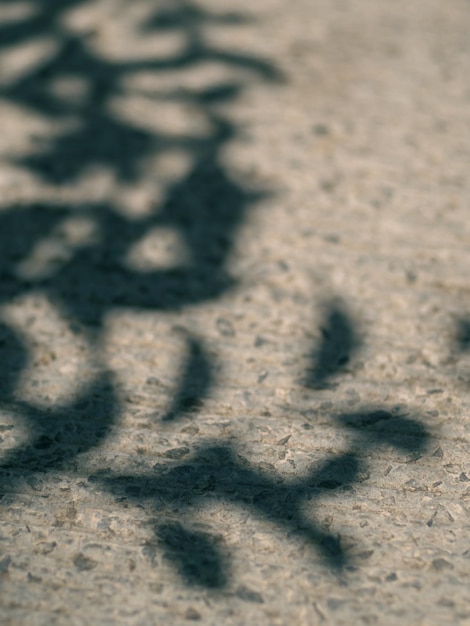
x: 234, y: 312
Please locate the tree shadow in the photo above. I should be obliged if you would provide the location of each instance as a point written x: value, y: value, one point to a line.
x: 218, y: 473
x: 99, y: 137
x: 204, y: 207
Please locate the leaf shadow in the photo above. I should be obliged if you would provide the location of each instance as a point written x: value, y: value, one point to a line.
x: 339, y: 342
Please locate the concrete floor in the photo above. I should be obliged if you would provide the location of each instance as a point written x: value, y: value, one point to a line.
x: 234, y: 312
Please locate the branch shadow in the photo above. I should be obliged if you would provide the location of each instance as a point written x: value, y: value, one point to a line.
x: 216, y: 473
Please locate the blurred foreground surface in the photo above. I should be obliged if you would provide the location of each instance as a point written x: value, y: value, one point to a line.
x: 234, y: 312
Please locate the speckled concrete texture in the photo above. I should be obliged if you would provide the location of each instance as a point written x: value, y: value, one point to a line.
x: 234, y: 312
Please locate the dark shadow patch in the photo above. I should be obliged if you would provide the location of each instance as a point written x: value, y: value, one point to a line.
x: 196, y: 555
x: 381, y: 427
x: 462, y: 335
x: 339, y: 342
x: 188, y: 15
x: 101, y: 141
x: 13, y: 359
x: 60, y: 434
x: 194, y: 382
x: 342, y: 471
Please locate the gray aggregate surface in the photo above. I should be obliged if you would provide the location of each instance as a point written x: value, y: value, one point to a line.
x: 234, y: 312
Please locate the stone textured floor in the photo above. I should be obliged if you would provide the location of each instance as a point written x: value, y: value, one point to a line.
x: 234, y: 312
